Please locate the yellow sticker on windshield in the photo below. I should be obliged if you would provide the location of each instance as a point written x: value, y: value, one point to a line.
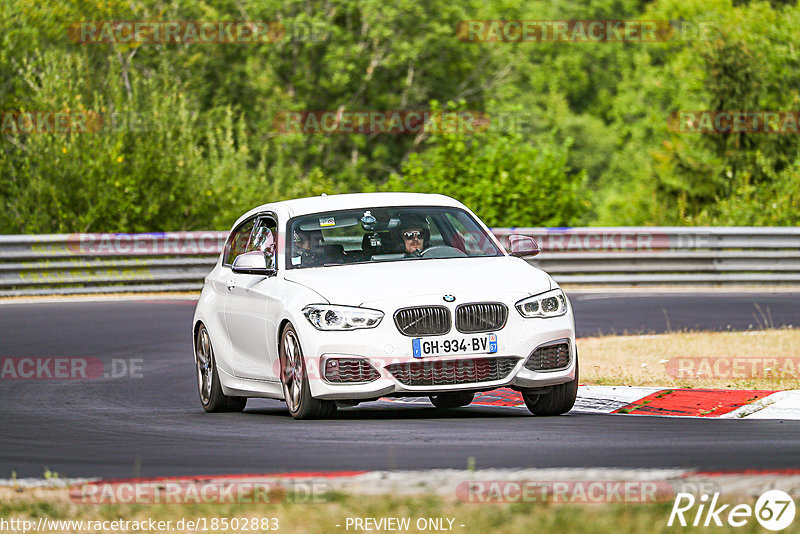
x: 329, y: 221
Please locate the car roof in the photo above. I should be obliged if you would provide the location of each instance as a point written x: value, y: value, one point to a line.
x: 308, y: 205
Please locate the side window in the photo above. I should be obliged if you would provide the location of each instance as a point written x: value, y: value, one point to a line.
x: 237, y: 242
x: 265, y: 239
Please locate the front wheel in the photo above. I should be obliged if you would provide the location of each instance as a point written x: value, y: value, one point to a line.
x: 211, y: 396
x: 559, y: 400
x: 452, y: 400
x: 294, y: 380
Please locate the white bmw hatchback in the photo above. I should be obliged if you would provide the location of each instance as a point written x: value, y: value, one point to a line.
x: 340, y: 299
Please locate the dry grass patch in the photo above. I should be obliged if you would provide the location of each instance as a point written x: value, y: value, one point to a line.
x: 763, y: 359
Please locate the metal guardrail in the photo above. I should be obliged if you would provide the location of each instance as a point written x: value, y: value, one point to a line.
x: 106, y: 263
x: 631, y: 256
x: 178, y: 261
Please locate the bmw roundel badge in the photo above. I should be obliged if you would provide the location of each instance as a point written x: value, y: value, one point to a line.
x: 449, y: 298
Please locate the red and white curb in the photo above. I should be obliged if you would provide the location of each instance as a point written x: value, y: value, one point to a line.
x: 779, y: 405
x: 720, y: 403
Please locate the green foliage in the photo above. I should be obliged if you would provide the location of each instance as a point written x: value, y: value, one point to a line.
x: 597, y: 150
x: 153, y: 160
x: 508, y: 181
x: 748, y: 63
x: 775, y: 201
x: 49, y: 474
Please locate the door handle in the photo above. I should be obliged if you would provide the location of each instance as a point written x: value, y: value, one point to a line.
x: 231, y: 285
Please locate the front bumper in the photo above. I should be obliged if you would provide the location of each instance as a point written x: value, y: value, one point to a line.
x: 385, y: 345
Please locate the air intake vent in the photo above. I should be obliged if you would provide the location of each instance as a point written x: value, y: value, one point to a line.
x: 349, y: 370
x: 449, y: 372
x: 550, y: 357
x: 481, y: 317
x: 423, y: 321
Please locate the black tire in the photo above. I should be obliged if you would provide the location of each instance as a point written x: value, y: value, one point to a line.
x: 446, y: 401
x: 559, y: 400
x: 299, y: 401
x: 208, y: 385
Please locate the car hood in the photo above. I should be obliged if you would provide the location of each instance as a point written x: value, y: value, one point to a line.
x: 359, y: 284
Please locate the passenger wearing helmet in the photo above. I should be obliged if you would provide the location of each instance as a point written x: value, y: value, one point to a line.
x: 414, y: 235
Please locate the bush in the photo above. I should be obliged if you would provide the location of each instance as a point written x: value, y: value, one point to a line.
x: 501, y: 177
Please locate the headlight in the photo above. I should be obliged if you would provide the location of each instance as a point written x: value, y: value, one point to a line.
x: 330, y: 317
x: 550, y: 304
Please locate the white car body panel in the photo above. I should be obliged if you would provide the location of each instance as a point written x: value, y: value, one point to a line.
x: 393, y: 280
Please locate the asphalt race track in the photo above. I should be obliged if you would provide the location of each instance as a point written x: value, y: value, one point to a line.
x: 152, y: 424
x: 655, y: 313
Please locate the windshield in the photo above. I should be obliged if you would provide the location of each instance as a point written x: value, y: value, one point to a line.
x: 385, y: 234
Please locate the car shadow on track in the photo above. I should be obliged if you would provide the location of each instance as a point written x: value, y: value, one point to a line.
x: 385, y: 410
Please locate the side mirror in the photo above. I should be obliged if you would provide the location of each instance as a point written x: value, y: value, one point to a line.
x: 252, y: 263
x: 523, y: 245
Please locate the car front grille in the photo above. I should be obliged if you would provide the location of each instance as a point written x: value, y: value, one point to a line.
x: 549, y: 358
x: 423, y: 321
x: 349, y: 370
x: 481, y: 317
x: 449, y: 372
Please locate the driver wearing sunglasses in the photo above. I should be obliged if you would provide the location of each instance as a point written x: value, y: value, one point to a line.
x: 415, y: 236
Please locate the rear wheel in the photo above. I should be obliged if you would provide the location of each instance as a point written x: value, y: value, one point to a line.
x: 211, y: 396
x: 452, y: 400
x: 559, y: 400
x: 294, y: 380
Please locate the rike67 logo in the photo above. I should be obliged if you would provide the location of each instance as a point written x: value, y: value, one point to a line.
x: 774, y: 510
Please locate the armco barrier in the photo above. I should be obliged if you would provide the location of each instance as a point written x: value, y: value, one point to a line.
x: 106, y: 263
x: 178, y: 261
x: 667, y: 255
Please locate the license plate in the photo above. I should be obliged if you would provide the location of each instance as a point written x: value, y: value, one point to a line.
x: 484, y: 344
